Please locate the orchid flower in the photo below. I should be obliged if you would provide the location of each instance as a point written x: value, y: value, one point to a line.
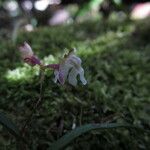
x: 68, y: 69
x: 28, y: 55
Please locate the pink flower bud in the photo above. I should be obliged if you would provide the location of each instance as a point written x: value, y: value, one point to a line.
x: 27, y: 55
x: 25, y: 50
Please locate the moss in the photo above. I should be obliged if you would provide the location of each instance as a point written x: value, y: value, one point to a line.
x: 116, y: 67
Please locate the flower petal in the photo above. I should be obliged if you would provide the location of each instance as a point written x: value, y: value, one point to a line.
x: 69, y: 68
x: 61, y: 77
x: 64, y: 71
x: 76, y: 59
x: 56, y: 73
x: 72, y: 78
x: 26, y: 50
x: 28, y: 55
x: 82, y: 78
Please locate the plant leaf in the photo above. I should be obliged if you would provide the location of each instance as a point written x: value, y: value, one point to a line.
x: 69, y: 137
x: 12, y: 128
x: 7, y: 123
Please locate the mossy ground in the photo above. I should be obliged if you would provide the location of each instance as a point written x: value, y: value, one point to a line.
x: 116, y: 58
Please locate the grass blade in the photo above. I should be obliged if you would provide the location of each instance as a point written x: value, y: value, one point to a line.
x: 69, y: 137
x: 9, y: 125
x: 13, y: 129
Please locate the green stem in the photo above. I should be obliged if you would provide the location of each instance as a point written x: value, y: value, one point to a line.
x: 42, y: 76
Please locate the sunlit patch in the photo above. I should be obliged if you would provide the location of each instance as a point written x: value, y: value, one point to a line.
x: 49, y: 60
x: 27, y: 72
x: 22, y: 73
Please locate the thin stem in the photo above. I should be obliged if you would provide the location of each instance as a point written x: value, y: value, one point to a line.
x: 37, y: 103
x: 80, y: 117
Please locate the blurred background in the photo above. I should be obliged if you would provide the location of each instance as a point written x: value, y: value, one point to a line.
x: 28, y: 14
x: 112, y: 37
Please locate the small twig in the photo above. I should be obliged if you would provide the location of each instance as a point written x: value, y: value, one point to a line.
x: 80, y: 117
x: 37, y: 103
x: 110, y: 117
x: 60, y: 126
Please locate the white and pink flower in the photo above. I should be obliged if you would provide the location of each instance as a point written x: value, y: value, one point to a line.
x: 27, y: 55
x: 68, y: 69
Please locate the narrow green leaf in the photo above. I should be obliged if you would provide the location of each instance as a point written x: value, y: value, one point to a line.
x: 12, y: 128
x: 7, y: 123
x: 69, y: 137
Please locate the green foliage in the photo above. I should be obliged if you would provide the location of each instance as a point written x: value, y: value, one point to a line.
x: 86, y: 6
x: 116, y: 66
